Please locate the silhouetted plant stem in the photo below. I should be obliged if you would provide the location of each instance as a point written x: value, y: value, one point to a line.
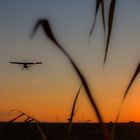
x: 124, y: 97
x: 110, y: 23
x: 73, y: 110
x: 98, y: 4
x: 48, y: 31
x: 28, y: 120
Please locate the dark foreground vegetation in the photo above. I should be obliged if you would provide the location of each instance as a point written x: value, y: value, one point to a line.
x: 59, y: 131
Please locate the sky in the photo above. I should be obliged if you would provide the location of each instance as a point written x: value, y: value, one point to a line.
x: 47, y: 91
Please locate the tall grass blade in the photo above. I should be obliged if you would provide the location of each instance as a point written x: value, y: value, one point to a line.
x: 98, y: 3
x: 16, y: 110
x: 110, y: 23
x: 30, y: 119
x: 103, y: 14
x: 124, y: 96
x: 132, y: 80
x: 43, y: 135
x: 48, y: 31
x: 27, y: 119
x: 73, y: 109
x: 116, y: 120
x: 22, y: 114
x: 95, y: 16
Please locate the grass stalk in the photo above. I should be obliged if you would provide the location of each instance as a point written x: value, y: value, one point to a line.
x: 49, y: 33
x: 73, y: 111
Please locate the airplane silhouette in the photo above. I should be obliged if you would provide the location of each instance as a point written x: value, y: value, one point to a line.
x: 25, y: 65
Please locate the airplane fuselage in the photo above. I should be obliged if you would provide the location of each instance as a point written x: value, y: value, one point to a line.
x: 25, y: 66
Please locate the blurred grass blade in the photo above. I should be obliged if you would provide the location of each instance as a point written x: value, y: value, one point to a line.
x: 95, y: 16
x: 41, y: 132
x: 98, y: 3
x: 48, y: 31
x: 110, y: 23
x: 73, y: 109
x: 103, y: 14
x: 116, y: 120
x: 125, y: 94
x: 16, y: 110
x: 27, y: 119
x: 16, y: 117
x: 31, y: 120
x: 132, y: 80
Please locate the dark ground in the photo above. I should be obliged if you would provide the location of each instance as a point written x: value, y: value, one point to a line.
x: 59, y: 131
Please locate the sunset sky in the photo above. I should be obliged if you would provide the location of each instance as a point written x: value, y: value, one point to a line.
x: 47, y: 91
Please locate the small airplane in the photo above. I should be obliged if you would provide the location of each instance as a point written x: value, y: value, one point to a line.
x: 25, y: 65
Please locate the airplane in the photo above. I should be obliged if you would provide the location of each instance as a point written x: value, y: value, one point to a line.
x: 25, y: 65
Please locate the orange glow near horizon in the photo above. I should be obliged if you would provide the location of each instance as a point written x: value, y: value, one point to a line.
x: 56, y: 107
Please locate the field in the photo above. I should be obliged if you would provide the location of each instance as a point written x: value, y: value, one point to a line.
x: 59, y: 131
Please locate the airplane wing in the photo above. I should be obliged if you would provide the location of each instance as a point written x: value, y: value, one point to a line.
x: 38, y: 62
x: 32, y: 63
x: 17, y: 62
x: 28, y: 63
